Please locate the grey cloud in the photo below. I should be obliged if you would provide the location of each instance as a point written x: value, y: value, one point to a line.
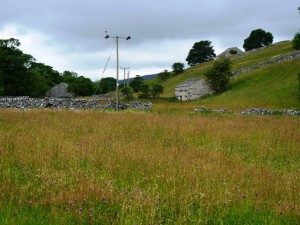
x: 78, y: 25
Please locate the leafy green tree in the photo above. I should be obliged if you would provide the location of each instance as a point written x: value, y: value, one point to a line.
x: 136, y: 83
x: 105, y: 85
x: 52, y: 77
x: 165, y: 75
x: 178, y: 68
x: 299, y: 85
x: 69, y: 76
x: 156, y: 90
x: 39, y: 85
x: 296, y: 41
x: 127, y: 92
x: 15, y: 77
x: 201, y: 52
x: 82, y: 87
x: 257, y: 39
x: 145, y: 91
x: 218, y: 76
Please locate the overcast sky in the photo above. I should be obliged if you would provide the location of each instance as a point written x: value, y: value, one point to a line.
x: 69, y: 35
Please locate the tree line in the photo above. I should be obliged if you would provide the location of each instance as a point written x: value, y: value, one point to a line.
x: 22, y: 75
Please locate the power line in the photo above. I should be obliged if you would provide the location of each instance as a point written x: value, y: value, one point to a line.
x: 104, y: 69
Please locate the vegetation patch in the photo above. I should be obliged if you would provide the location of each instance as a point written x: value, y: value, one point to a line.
x: 88, y: 167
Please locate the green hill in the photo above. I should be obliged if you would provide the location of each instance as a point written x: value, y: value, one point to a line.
x: 272, y: 87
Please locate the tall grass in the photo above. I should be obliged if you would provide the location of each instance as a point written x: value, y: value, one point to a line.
x: 65, y: 167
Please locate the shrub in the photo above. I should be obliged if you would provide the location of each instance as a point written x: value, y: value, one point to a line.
x: 156, y: 90
x: 296, y: 41
x: 127, y: 92
x: 218, y: 76
x: 145, y: 91
x: 165, y: 75
x: 232, y: 51
x: 178, y: 68
x: 299, y: 85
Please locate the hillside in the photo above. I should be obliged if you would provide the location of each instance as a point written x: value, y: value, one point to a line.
x: 274, y: 86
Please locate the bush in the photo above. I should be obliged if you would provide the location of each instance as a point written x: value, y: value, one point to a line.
x: 151, y: 91
x: 299, y: 85
x: 156, y: 90
x: 127, y: 92
x: 165, y: 75
x: 145, y: 91
x: 178, y: 68
x: 232, y: 51
x: 218, y: 76
x: 296, y: 41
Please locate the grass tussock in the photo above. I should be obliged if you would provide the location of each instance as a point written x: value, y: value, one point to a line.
x: 64, y: 167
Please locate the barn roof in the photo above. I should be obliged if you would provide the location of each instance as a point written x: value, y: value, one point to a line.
x: 189, y: 82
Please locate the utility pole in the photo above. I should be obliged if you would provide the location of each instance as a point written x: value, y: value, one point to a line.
x: 117, y: 79
x: 124, y: 75
x: 128, y: 72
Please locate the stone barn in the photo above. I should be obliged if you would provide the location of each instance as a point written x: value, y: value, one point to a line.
x: 59, y: 91
x: 192, y: 89
x: 229, y: 52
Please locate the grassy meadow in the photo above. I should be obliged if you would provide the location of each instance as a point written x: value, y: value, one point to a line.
x: 91, y: 167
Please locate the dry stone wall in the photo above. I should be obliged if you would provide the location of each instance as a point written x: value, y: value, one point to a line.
x: 26, y: 103
x: 269, y: 62
x: 257, y: 111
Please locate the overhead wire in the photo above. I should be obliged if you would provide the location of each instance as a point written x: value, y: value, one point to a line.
x: 104, y: 69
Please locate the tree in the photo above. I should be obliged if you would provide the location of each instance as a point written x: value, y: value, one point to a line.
x: 299, y: 86
x: 105, y: 85
x: 201, y: 52
x: 296, y: 41
x: 145, y: 91
x: 178, y: 68
x: 39, y: 86
x: 52, y: 77
x: 127, y: 92
x: 15, y: 77
x: 257, y: 39
x: 136, y: 83
x: 165, y: 75
x: 69, y: 76
x: 218, y: 76
x: 156, y: 90
x: 82, y: 86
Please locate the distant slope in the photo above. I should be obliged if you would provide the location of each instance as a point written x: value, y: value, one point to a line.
x: 274, y: 86
x: 145, y: 77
